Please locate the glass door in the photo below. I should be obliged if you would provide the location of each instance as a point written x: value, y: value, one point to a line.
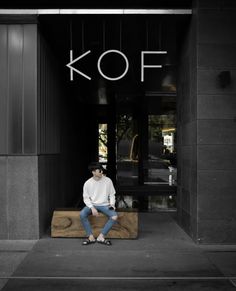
x: 160, y: 167
x: 127, y: 150
x: 146, y: 161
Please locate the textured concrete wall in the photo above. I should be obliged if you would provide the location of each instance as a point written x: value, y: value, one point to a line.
x: 29, y: 185
x: 19, y: 218
x: 207, y: 127
x: 19, y: 198
x: 187, y: 133
x: 216, y: 124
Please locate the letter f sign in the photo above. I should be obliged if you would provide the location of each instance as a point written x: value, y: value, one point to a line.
x: 72, y: 69
x: 143, y: 66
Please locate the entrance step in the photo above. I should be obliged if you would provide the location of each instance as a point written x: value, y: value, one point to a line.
x: 66, y: 223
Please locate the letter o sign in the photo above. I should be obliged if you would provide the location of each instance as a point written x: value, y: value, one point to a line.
x: 126, y: 65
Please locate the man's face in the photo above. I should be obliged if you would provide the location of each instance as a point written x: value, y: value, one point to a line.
x: 97, y: 173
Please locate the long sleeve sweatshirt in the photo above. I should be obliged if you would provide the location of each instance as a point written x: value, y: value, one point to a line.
x: 99, y: 192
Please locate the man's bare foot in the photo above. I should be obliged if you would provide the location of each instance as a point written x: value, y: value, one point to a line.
x: 91, y: 237
x: 100, y: 237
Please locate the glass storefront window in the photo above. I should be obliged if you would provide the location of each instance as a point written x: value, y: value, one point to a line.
x: 102, y: 142
x: 127, y: 150
x: 152, y: 160
x: 150, y: 203
x: 160, y: 165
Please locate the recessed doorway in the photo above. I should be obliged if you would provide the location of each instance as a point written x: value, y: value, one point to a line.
x: 128, y: 124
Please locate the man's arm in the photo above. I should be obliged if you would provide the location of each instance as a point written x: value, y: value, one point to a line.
x: 88, y: 201
x: 86, y: 197
x: 112, y: 195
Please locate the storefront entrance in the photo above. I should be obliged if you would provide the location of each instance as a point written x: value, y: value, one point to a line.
x: 146, y: 80
x: 89, y: 87
x: 119, y: 107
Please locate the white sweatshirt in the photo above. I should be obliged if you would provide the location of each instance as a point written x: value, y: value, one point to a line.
x: 99, y: 192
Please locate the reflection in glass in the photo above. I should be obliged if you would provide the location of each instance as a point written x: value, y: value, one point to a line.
x: 160, y: 166
x: 102, y: 143
x: 153, y: 202
x: 127, y: 150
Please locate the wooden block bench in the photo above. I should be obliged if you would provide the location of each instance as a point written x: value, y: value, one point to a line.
x: 66, y: 223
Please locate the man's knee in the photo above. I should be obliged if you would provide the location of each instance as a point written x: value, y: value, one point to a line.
x: 114, y: 217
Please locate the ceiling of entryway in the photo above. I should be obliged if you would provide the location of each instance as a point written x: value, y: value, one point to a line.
x: 97, y: 4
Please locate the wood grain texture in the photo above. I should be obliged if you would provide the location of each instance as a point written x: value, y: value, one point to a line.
x: 66, y: 223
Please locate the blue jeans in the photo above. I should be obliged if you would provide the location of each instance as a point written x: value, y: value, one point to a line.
x: 86, y: 211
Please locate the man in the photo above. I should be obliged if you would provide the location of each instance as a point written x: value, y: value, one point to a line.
x: 99, y: 196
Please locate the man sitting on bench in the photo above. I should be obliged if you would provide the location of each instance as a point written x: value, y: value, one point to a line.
x: 99, y: 196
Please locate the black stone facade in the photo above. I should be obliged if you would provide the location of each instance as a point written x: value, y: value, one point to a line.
x: 30, y: 122
x: 207, y: 127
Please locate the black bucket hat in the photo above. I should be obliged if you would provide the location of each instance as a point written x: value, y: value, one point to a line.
x: 94, y: 166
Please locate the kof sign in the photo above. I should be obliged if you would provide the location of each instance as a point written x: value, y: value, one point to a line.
x: 100, y: 59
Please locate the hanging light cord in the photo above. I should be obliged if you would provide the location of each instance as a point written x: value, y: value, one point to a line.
x: 71, y: 39
x: 147, y: 35
x: 104, y: 35
x: 82, y: 35
x: 159, y: 33
x: 120, y: 35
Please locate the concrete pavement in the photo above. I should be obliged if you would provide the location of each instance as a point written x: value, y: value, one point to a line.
x: 163, y: 258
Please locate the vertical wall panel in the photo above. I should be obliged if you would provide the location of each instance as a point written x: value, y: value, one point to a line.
x: 187, y: 133
x: 50, y: 94
x: 18, y: 89
x: 3, y: 89
x: 3, y: 199
x: 30, y: 85
x: 211, y: 217
x: 50, y: 87
x: 18, y: 130
x: 15, y: 51
x: 216, y: 125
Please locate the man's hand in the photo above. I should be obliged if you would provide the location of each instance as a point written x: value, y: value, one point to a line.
x: 94, y: 211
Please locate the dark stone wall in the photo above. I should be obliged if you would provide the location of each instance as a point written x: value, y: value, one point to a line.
x: 18, y: 132
x: 19, y: 197
x: 206, y: 125
x: 18, y: 89
x: 216, y: 124
x: 187, y: 132
x: 50, y: 194
x: 50, y: 92
x: 30, y: 92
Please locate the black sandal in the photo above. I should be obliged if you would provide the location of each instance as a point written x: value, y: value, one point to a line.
x: 104, y: 242
x: 88, y: 242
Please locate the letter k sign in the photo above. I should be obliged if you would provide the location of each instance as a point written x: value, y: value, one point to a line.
x: 69, y: 65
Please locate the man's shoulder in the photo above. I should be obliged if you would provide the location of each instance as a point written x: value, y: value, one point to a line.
x: 88, y: 181
x: 107, y: 179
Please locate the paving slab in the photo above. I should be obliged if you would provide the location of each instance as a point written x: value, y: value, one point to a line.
x: 117, y: 285
x: 224, y: 261
x: 102, y: 261
x: 12, y: 253
x: 9, y: 261
x: 233, y: 282
x: 2, y: 283
x: 218, y: 248
x: 17, y: 245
